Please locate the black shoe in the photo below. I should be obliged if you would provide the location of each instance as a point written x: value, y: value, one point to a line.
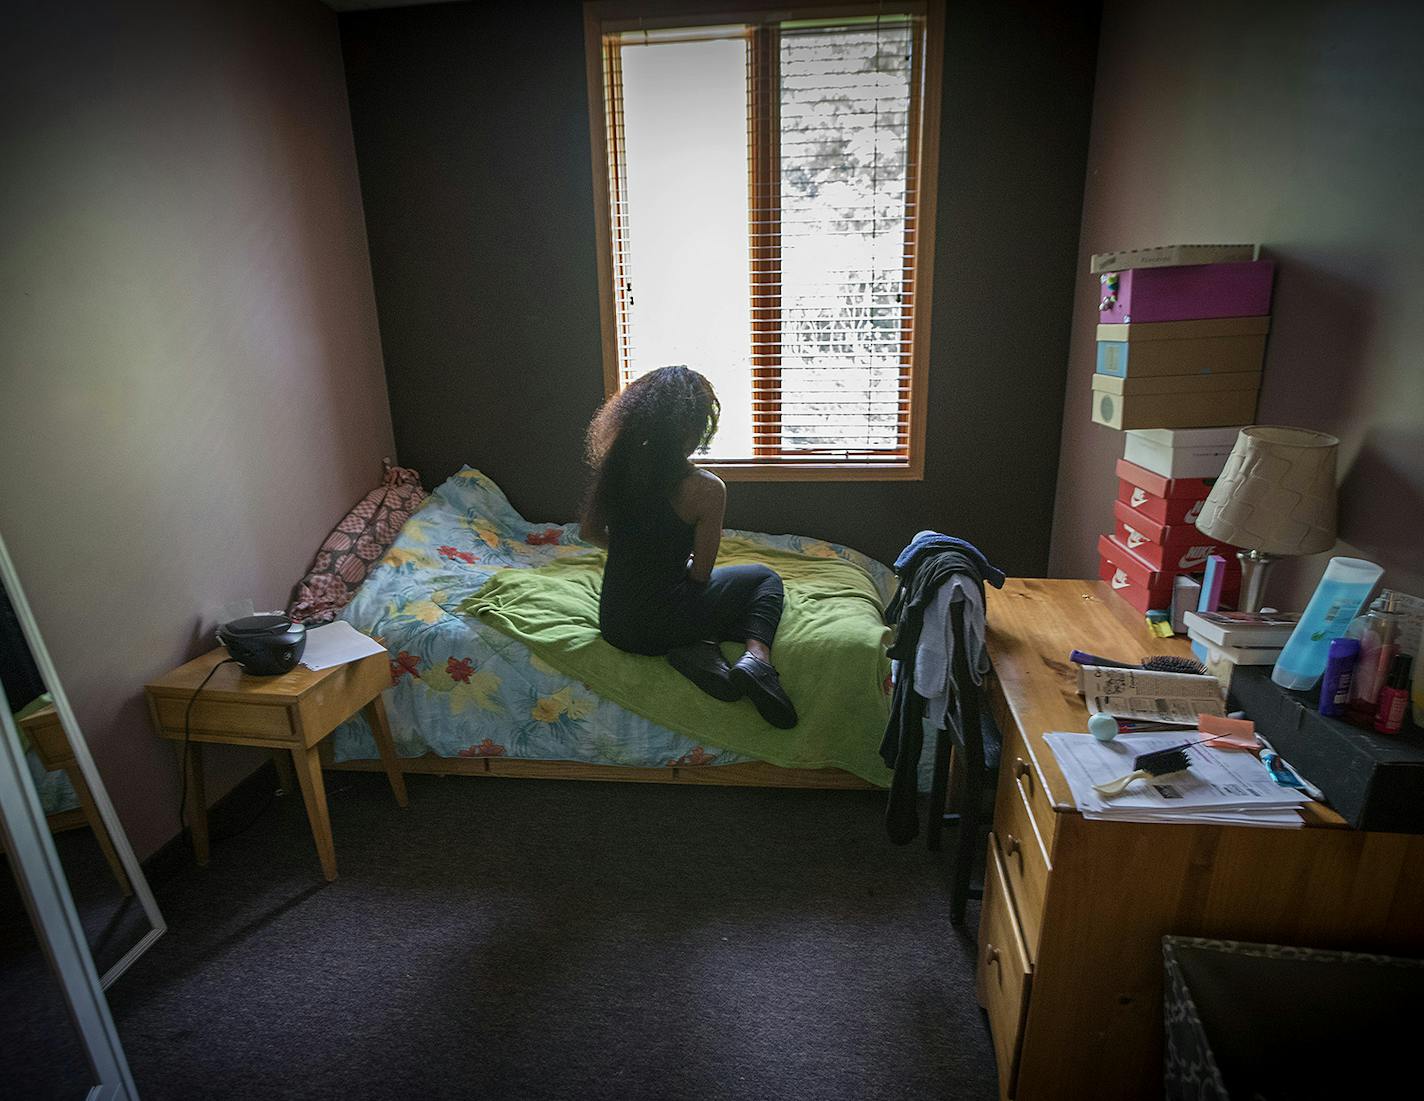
x: 704, y: 665
x: 759, y: 682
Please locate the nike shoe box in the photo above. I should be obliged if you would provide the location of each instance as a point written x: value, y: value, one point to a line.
x: 1145, y: 588
x: 1168, y: 501
x: 1175, y: 548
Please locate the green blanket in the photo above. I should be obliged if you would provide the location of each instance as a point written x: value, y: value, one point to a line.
x: 829, y: 651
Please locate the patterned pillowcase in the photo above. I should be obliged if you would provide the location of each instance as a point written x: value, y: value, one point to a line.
x: 355, y: 545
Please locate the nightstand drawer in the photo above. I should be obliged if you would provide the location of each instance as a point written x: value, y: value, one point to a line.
x: 220, y: 717
x: 1024, y: 859
x: 1003, y: 973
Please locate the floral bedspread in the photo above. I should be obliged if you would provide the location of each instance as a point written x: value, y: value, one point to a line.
x: 462, y: 689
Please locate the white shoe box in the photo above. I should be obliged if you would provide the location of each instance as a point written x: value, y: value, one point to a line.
x: 1181, y: 452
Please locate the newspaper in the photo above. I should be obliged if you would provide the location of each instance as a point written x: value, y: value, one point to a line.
x: 1228, y: 787
x: 1150, y: 696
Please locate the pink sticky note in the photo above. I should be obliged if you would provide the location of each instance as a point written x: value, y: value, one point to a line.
x: 1229, y: 733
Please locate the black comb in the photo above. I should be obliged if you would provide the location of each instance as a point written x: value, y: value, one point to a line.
x: 1163, y: 761
x: 1148, y: 766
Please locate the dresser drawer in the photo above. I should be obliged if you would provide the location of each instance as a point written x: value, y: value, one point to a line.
x: 1022, y: 774
x: 1024, y: 859
x: 1003, y: 975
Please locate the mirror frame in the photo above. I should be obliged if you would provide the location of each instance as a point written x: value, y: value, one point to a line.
x: 11, y: 581
x: 45, y: 891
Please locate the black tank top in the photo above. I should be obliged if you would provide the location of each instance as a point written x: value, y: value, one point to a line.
x: 648, y: 550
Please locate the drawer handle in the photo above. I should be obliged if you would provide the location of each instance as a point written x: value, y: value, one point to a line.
x: 1020, y: 768
x: 1011, y: 845
x: 991, y: 956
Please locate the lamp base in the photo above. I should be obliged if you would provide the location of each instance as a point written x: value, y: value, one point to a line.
x: 1254, y: 568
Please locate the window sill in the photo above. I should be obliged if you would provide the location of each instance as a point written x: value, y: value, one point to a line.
x: 815, y: 472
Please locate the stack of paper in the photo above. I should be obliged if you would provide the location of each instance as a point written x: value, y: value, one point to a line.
x: 337, y: 643
x: 1221, y: 786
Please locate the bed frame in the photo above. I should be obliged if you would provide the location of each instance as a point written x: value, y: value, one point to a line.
x: 752, y: 774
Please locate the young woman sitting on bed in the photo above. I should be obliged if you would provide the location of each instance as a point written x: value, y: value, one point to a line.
x: 661, y: 519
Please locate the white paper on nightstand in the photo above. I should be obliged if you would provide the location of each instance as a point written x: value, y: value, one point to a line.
x: 336, y: 644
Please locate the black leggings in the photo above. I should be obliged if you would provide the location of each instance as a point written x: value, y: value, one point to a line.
x: 737, y: 603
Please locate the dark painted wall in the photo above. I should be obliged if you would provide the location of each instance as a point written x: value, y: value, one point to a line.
x: 471, y: 126
x: 1299, y: 125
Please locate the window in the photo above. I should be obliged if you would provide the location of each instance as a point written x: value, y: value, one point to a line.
x: 766, y: 199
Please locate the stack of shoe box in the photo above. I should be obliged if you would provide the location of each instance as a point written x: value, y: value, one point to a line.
x: 1155, y: 539
x: 1181, y: 347
x: 1179, y: 358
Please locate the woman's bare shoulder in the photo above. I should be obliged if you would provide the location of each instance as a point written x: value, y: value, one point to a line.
x: 699, y: 493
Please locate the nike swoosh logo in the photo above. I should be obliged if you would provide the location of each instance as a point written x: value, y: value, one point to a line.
x: 1119, y: 580
x: 1138, y: 497
x: 1195, y: 557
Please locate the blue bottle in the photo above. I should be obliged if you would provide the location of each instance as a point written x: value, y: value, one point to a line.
x: 1339, y: 674
x: 1336, y: 601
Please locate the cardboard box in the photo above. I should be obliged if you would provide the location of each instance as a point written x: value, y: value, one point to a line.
x: 1219, y: 346
x: 1165, y: 500
x: 1164, y: 256
x: 1374, y: 781
x: 1142, y: 586
x: 1176, y: 548
x: 1189, y: 293
x: 1176, y: 401
x: 1181, y: 452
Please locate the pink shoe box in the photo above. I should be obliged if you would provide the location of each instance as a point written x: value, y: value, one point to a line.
x: 1190, y: 293
x: 1178, y: 548
x: 1168, y: 501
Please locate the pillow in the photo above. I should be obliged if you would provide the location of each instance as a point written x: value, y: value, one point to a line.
x: 355, y: 545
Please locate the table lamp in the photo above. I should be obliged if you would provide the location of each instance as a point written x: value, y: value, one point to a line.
x: 1275, y: 497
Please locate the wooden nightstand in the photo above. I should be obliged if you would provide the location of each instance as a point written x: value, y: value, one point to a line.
x: 292, y: 712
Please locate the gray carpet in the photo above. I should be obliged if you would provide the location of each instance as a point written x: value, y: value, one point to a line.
x: 550, y: 939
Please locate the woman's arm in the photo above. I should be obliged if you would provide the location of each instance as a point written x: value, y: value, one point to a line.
x: 702, y: 501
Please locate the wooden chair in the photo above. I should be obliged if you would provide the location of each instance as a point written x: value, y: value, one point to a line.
x: 972, y: 747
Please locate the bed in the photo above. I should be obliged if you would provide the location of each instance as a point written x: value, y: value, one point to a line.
x: 467, y: 698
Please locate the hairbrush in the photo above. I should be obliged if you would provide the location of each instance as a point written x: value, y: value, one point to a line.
x: 1148, y: 766
x: 1161, y: 663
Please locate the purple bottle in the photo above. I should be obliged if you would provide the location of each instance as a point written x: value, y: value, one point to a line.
x: 1339, y: 672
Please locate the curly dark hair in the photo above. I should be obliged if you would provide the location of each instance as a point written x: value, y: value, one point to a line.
x: 639, y: 440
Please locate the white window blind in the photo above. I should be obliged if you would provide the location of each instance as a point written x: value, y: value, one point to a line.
x: 763, y: 200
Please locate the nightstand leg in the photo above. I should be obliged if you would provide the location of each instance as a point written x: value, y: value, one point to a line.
x: 381, y: 729
x: 96, y: 824
x: 197, y: 801
x: 308, y: 766
x: 286, y: 777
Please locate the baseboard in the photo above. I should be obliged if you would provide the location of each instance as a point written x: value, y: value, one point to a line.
x: 240, y: 803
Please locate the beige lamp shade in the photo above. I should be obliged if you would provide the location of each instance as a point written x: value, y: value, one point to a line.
x: 1277, y: 493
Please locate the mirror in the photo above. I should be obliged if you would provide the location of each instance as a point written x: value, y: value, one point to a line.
x: 44, y: 1052
x: 111, y: 896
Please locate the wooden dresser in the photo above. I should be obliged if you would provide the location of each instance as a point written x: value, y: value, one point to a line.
x: 1074, y: 911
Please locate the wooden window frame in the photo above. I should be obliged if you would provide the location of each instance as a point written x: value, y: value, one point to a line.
x: 602, y: 17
